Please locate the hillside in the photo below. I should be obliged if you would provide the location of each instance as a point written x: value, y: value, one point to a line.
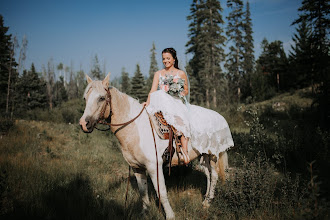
x: 55, y: 171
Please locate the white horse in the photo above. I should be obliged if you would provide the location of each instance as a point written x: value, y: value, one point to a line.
x: 137, y: 142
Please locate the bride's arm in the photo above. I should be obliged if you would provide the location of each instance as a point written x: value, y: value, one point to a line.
x: 153, y: 87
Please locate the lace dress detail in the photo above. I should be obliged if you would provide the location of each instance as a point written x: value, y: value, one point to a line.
x: 207, y: 130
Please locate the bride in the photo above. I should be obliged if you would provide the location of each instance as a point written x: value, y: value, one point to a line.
x: 202, y: 129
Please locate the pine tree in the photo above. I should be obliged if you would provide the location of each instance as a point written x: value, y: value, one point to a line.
x: 316, y: 15
x: 49, y: 76
x: 260, y: 87
x: 96, y: 70
x: 153, y: 67
x: 81, y: 83
x: 138, y: 85
x: 31, y: 92
x: 72, y: 88
x: 8, y: 74
x: 60, y: 68
x: 206, y: 44
x: 37, y: 90
x: 125, y: 82
x: 235, y: 29
x: 248, y: 52
x: 60, y: 93
x: 197, y: 85
x: 195, y: 94
x: 300, y: 58
x: 274, y: 64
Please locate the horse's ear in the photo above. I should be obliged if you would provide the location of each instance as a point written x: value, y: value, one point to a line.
x: 89, y: 80
x: 105, y: 82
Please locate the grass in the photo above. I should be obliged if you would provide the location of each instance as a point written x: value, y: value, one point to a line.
x: 46, y: 167
x: 56, y: 171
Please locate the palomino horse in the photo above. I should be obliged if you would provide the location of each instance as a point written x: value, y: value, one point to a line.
x: 137, y: 142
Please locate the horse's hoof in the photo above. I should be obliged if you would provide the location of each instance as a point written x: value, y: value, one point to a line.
x: 170, y: 216
x: 206, y: 204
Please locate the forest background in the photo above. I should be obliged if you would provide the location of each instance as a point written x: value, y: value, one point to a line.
x: 277, y: 104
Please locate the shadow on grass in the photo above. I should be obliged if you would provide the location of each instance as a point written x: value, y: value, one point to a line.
x: 185, y: 177
x: 74, y: 200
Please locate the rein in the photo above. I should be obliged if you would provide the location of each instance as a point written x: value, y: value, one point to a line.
x: 102, y: 120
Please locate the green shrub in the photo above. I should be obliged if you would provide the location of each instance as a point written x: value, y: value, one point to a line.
x: 255, y: 190
x: 5, y: 124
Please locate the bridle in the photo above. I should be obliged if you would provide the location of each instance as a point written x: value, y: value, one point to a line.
x: 103, y: 119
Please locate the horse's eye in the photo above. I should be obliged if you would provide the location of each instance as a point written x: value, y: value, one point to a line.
x: 101, y: 99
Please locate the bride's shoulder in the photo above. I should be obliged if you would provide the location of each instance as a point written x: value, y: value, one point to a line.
x: 181, y: 73
x: 158, y: 73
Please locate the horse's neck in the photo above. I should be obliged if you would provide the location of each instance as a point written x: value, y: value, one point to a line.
x: 123, y: 106
x: 124, y: 109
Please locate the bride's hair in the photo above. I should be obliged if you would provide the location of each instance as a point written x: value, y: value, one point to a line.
x: 173, y: 53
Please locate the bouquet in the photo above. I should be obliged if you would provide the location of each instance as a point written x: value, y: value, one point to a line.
x: 173, y: 86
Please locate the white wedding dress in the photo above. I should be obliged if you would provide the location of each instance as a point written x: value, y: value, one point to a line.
x: 207, y: 130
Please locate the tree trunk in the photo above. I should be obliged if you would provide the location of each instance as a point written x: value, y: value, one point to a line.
x: 214, y: 97
x: 9, y: 78
x: 278, y: 81
x: 207, y: 98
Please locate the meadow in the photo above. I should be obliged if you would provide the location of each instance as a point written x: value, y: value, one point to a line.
x: 50, y: 169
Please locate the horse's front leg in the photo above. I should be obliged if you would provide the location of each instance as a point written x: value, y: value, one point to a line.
x: 162, y: 189
x: 141, y: 179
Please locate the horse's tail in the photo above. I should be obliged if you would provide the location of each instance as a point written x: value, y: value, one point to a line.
x: 222, y: 165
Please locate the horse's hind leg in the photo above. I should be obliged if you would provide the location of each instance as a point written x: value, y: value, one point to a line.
x: 214, y: 178
x: 218, y: 167
x: 205, y: 168
x: 141, y: 179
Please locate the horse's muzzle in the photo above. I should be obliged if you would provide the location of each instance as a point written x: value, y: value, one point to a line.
x: 87, y: 124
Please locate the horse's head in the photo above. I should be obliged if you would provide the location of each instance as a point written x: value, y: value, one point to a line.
x: 97, y: 97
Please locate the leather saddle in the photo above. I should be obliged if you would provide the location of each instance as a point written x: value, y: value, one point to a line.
x: 166, y: 132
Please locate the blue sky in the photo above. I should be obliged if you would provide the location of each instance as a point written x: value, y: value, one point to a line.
x: 121, y: 33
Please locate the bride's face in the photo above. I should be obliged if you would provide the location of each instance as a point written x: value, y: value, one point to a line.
x: 168, y: 60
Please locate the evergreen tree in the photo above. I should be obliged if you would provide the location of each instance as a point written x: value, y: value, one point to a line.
x: 125, y: 82
x: 195, y: 94
x: 138, y: 85
x: 72, y: 87
x: 60, y: 93
x: 235, y: 29
x: 60, y: 68
x: 81, y: 83
x: 49, y: 76
x: 260, y: 89
x: 96, y: 70
x: 316, y: 15
x: 248, y: 52
x: 8, y: 74
x: 274, y: 63
x: 36, y: 89
x: 197, y: 85
x: 153, y: 67
x: 31, y: 92
x: 300, y: 58
x: 206, y: 43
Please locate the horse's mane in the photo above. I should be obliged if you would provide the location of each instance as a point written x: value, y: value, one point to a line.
x: 122, y: 94
x: 98, y: 85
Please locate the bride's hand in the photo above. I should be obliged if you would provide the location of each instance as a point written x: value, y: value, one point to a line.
x: 145, y: 104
